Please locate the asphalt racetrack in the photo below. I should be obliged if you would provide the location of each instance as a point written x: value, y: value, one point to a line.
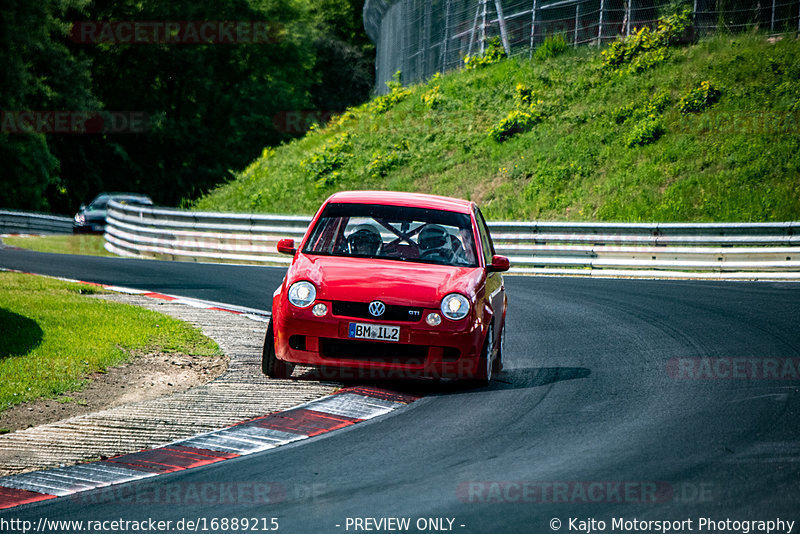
x: 623, y: 401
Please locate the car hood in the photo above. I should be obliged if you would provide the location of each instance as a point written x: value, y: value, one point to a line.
x: 393, y: 282
x: 95, y: 215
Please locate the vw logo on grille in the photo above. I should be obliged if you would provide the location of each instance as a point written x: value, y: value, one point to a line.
x: 377, y: 308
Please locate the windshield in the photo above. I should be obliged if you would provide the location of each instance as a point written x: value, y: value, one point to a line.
x: 100, y: 203
x: 394, y: 233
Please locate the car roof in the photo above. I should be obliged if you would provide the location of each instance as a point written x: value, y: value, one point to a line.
x: 396, y: 198
x: 131, y: 195
x: 123, y: 195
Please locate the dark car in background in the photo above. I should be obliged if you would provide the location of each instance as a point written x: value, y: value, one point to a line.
x: 92, y: 218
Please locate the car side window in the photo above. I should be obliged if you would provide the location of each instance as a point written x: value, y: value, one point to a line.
x: 486, y: 240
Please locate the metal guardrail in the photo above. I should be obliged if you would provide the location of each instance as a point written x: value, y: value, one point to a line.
x: 673, y: 250
x: 18, y: 222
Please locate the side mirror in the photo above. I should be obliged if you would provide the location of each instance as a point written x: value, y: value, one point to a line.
x: 286, y: 246
x: 82, y: 208
x: 500, y: 264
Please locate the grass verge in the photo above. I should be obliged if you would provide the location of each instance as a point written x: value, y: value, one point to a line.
x: 54, y: 337
x: 86, y: 245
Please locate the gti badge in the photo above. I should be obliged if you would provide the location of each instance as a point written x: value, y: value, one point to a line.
x: 376, y: 308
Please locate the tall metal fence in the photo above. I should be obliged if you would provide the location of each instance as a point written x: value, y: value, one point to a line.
x: 422, y: 37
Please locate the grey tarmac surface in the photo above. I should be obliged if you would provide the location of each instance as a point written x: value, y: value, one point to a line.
x: 590, y: 419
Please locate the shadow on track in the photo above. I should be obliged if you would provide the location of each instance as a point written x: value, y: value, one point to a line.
x: 535, y: 377
x: 505, y: 380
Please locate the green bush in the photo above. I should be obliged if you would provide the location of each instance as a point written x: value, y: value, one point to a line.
x: 517, y: 121
x: 553, y: 46
x: 701, y: 97
x: 648, y: 60
x: 384, y: 103
x: 324, y: 164
x: 494, y: 54
x: 654, y: 105
x: 433, y: 98
x: 398, y: 93
x: 646, y: 131
x: 524, y: 95
x: 381, y: 164
x: 645, y: 47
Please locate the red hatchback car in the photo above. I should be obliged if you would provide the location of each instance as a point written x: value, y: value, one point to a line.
x: 389, y: 284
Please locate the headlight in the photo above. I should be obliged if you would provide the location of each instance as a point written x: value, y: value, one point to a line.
x: 433, y: 319
x: 79, y: 218
x: 455, y: 306
x: 302, y: 294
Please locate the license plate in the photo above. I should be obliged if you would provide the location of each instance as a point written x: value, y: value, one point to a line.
x: 374, y: 331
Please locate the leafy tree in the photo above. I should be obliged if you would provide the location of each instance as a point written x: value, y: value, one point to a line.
x: 39, y: 73
x: 345, y: 57
x: 210, y: 108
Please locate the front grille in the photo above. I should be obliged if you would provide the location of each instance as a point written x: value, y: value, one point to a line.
x: 343, y: 349
x: 450, y: 354
x: 361, y: 310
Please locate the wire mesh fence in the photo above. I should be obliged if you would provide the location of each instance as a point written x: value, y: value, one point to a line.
x: 422, y: 37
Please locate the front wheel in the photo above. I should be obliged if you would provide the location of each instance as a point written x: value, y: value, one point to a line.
x: 270, y: 364
x: 498, y: 360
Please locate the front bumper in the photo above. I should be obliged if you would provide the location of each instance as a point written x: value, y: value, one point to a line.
x: 449, y: 350
x: 89, y: 227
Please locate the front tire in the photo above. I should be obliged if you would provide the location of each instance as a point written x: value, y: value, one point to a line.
x: 270, y: 364
x: 497, y: 367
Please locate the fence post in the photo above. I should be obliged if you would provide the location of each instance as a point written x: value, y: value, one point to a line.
x: 426, y: 42
x: 502, y: 21
x: 474, y: 29
x: 533, y: 26
x: 577, y: 22
x: 772, y: 18
x: 406, y: 68
x: 600, y: 24
x: 445, y: 41
x: 484, y: 4
x: 628, y: 18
